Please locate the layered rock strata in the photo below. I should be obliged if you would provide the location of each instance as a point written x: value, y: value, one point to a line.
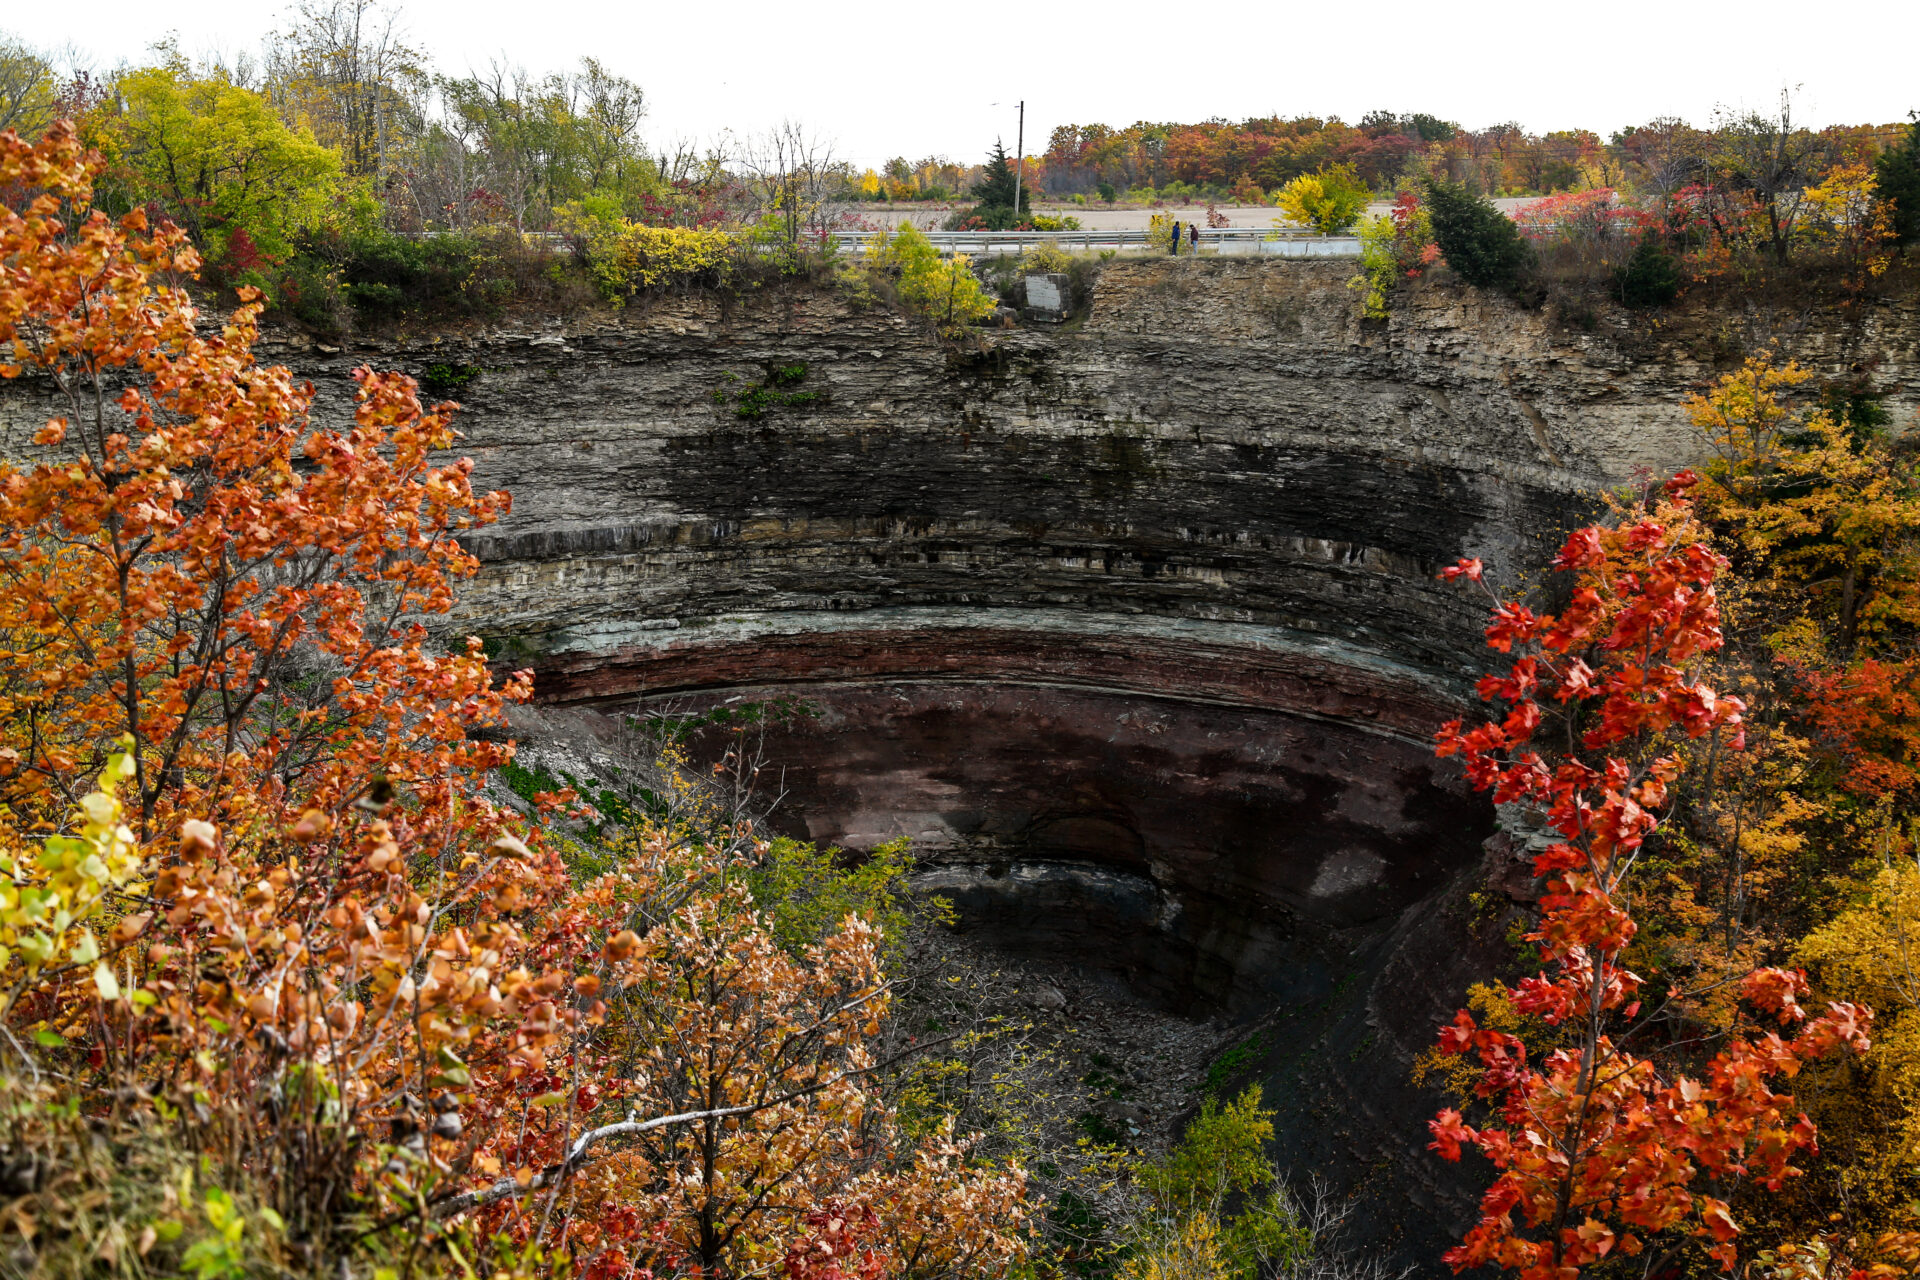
x: 1130, y: 624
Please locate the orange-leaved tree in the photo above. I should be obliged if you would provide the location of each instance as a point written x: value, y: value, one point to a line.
x: 255, y: 907
x: 1610, y: 1146
x: 191, y: 562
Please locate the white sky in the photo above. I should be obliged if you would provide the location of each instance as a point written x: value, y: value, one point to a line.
x: 918, y: 79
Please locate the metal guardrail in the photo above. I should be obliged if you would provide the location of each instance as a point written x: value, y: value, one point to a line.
x: 1222, y: 240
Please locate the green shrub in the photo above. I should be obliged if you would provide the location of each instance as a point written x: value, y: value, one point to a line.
x: 368, y: 274
x: 309, y: 290
x: 1222, y: 1210
x: 528, y: 783
x: 387, y: 275
x: 806, y: 892
x: 776, y: 390
x: 1234, y: 1061
x: 983, y: 217
x: 1481, y: 244
x: 443, y: 379
x: 1897, y: 173
x: 1649, y: 278
x: 1221, y: 1153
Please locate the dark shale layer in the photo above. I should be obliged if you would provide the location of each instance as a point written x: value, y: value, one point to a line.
x: 1131, y: 625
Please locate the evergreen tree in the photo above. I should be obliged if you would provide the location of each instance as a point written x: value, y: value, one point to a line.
x: 1650, y: 278
x: 1481, y: 244
x: 1897, y: 172
x: 1431, y: 128
x: 997, y: 188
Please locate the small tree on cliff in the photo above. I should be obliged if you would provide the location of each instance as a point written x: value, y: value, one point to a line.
x: 1602, y: 1151
x: 1897, y: 175
x: 1481, y: 244
x: 1329, y: 201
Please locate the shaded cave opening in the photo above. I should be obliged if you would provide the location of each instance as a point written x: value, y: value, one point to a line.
x: 1212, y: 860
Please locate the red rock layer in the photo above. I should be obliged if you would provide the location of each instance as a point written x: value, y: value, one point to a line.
x: 1268, y: 679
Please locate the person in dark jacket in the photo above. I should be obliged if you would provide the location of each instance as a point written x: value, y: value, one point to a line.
x: 1175, y: 249
x: 1193, y: 237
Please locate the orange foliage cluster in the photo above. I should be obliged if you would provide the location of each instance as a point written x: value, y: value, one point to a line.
x: 190, y: 543
x: 327, y: 962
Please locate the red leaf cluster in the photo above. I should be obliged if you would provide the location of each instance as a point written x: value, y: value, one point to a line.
x: 1601, y: 1148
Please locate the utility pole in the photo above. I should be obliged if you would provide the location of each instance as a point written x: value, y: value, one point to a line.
x: 1020, y: 145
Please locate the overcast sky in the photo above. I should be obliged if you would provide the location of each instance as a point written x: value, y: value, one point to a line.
x: 915, y: 78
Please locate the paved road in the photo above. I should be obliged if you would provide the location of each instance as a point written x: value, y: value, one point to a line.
x: 1101, y: 218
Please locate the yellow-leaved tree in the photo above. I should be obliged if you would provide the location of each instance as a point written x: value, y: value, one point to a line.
x: 1871, y: 951
x: 945, y: 290
x: 221, y: 160
x: 1826, y: 515
x: 1329, y: 201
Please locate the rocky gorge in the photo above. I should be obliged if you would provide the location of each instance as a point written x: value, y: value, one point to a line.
x: 1130, y: 624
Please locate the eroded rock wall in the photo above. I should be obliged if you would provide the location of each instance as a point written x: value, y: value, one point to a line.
x: 1131, y: 624
x: 1222, y: 454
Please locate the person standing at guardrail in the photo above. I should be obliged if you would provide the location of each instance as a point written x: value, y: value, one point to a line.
x: 1174, y: 248
x: 1193, y: 237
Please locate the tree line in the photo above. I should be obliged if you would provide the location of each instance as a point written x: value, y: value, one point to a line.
x: 1249, y: 160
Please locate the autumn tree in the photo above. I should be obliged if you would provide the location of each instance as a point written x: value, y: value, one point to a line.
x: 1615, y: 1145
x: 1329, y: 201
x: 945, y: 290
x: 795, y: 172
x: 1392, y: 249
x: 1824, y: 511
x: 193, y: 564
x: 1847, y: 217
x: 506, y: 148
x: 1663, y: 156
x: 1798, y: 845
x: 1869, y: 951
x: 345, y: 70
x: 769, y: 1054
x: 260, y: 920
x: 1774, y: 161
x: 28, y: 91
x: 218, y: 159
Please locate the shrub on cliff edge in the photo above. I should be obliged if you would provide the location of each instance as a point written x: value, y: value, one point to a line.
x: 1481, y: 244
x: 1649, y: 278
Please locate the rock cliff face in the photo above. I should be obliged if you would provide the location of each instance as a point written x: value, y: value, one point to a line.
x: 1131, y: 625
